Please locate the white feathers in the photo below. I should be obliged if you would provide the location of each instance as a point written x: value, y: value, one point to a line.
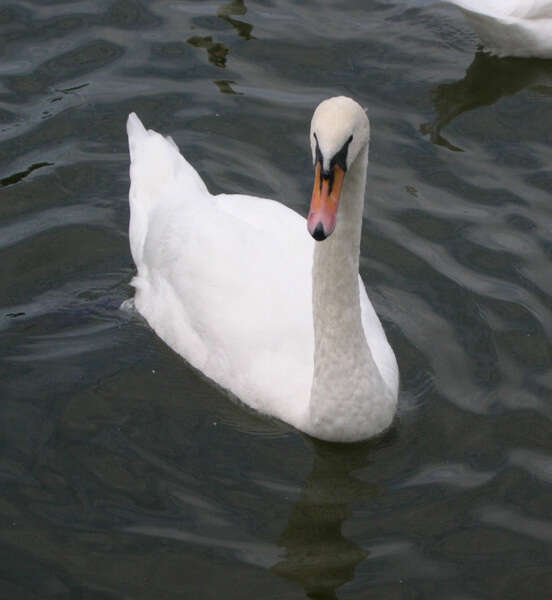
x: 511, y: 27
x: 226, y: 281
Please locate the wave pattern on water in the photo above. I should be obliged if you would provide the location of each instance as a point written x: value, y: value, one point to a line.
x: 124, y: 473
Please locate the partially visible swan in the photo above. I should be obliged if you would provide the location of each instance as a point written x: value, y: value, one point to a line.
x: 511, y: 27
x: 236, y: 285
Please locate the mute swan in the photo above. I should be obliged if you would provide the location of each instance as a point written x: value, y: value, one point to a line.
x: 511, y: 27
x: 236, y: 285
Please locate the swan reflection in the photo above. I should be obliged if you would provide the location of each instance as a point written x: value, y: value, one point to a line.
x: 487, y: 79
x: 316, y: 554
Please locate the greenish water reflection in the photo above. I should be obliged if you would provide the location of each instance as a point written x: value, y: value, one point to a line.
x: 217, y: 51
x: 236, y: 7
x: 318, y: 556
x: 487, y: 80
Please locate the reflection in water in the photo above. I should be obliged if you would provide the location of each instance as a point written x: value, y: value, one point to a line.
x: 236, y: 7
x: 216, y: 51
x: 119, y: 477
x: 317, y: 556
x: 225, y: 87
x: 487, y: 79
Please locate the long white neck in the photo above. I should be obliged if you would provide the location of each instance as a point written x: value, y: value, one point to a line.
x: 349, y: 399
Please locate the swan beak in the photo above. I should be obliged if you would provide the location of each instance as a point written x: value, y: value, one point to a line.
x: 324, y: 203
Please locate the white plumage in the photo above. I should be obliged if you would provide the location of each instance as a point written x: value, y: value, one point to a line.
x: 511, y: 27
x: 227, y: 282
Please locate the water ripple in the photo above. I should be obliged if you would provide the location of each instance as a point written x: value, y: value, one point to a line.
x: 118, y: 459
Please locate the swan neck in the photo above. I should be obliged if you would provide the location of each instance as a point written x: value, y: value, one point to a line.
x: 336, y: 261
x: 349, y: 400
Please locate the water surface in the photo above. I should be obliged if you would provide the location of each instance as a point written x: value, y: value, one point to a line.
x: 124, y: 474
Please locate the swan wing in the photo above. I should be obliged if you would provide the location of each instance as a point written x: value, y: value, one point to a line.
x: 224, y: 280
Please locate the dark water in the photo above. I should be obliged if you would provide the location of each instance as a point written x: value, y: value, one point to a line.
x: 124, y: 474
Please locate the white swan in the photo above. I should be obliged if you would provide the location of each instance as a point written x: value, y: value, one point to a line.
x: 236, y: 285
x: 511, y: 27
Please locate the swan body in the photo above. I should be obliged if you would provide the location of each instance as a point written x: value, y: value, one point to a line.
x: 237, y: 286
x: 511, y: 27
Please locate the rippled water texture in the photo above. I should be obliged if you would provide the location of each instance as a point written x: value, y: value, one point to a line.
x: 124, y: 474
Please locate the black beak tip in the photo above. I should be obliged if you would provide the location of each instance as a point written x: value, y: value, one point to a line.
x: 318, y: 233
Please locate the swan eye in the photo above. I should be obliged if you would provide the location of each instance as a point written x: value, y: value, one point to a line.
x: 340, y: 159
x: 318, y: 155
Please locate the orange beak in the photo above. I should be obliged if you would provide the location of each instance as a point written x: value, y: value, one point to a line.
x: 325, y: 201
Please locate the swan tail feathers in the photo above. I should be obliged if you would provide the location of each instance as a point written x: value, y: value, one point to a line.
x: 158, y: 174
x: 156, y: 160
x: 135, y: 130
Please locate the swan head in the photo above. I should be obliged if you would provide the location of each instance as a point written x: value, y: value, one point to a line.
x: 339, y: 131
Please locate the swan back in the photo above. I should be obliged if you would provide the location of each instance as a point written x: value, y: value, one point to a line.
x: 521, y: 9
x: 511, y: 27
